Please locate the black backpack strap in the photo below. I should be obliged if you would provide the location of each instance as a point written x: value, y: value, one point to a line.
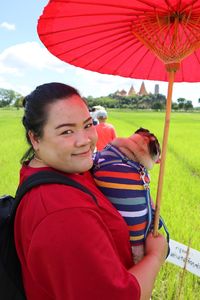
x: 47, y: 177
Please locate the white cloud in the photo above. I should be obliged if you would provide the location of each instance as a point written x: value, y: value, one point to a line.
x: 22, y: 89
x: 4, y: 84
x: 96, y: 84
x: 24, y: 66
x: 18, y: 58
x: 7, y: 26
x: 8, y: 70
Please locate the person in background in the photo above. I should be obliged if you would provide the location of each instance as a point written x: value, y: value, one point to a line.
x: 71, y: 247
x: 105, y: 131
x: 93, y: 113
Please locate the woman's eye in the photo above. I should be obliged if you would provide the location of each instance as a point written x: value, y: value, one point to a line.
x: 89, y: 125
x: 67, y: 131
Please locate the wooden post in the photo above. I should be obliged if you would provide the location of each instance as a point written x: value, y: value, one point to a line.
x: 171, y: 75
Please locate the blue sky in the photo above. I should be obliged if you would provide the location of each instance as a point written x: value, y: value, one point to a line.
x: 26, y: 63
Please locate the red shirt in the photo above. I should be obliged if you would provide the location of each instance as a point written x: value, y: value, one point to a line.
x: 70, y: 248
x: 106, y: 133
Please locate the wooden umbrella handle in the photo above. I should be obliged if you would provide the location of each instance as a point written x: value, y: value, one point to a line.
x: 171, y: 75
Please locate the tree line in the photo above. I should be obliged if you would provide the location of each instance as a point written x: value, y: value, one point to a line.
x: 10, y: 98
x: 151, y: 101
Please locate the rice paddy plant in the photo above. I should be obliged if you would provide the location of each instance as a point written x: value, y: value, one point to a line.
x: 11, y: 150
x: 180, y: 205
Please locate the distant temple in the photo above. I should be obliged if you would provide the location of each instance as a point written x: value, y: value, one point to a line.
x: 121, y: 93
x: 142, y: 91
x: 156, y: 91
x: 132, y: 92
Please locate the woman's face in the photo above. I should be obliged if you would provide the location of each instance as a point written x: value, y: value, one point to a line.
x: 69, y: 137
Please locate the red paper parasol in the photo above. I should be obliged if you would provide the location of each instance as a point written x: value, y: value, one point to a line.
x: 157, y: 40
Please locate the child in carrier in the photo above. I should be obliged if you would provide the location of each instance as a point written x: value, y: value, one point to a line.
x: 121, y: 173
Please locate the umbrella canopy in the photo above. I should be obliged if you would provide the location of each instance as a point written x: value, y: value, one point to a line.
x: 132, y: 39
x: 147, y: 39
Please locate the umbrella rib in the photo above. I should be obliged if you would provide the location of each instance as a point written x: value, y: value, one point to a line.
x: 169, y: 5
x: 151, y: 5
x: 189, y: 4
x: 91, y: 15
x: 115, y: 70
x: 151, y: 67
x: 80, y: 27
x: 156, y: 40
x: 98, y: 47
x: 182, y: 73
x: 138, y: 63
x: 187, y: 49
x: 86, y: 26
x: 112, y: 5
x: 153, y: 45
x: 153, y: 29
x: 151, y: 34
x: 101, y: 55
x: 90, y: 35
x: 90, y: 51
x: 187, y: 45
x: 131, y: 54
x: 127, y: 57
x: 187, y: 21
x: 112, y: 57
x: 186, y: 34
x: 195, y: 54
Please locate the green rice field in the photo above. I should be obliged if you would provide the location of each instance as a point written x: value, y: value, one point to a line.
x: 180, y: 205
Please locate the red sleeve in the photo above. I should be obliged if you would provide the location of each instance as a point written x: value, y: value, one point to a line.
x: 72, y: 256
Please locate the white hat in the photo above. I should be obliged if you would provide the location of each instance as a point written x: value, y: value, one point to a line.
x: 101, y: 114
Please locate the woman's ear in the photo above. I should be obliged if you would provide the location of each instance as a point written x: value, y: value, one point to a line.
x: 34, y: 140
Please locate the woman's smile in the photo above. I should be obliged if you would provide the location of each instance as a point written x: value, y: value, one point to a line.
x: 84, y: 153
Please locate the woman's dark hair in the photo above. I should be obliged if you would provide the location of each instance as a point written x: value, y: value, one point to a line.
x: 35, y: 109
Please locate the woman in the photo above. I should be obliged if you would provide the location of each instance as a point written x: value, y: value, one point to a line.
x: 69, y: 247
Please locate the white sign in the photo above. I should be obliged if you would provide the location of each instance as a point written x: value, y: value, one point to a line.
x: 178, y: 256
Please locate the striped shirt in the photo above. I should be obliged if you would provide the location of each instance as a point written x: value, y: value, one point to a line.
x: 126, y: 184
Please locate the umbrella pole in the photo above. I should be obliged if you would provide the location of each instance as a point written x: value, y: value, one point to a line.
x: 171, y: 75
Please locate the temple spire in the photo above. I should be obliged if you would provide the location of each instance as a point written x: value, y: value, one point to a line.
x: 131, y: 92
x: 142, y: 91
